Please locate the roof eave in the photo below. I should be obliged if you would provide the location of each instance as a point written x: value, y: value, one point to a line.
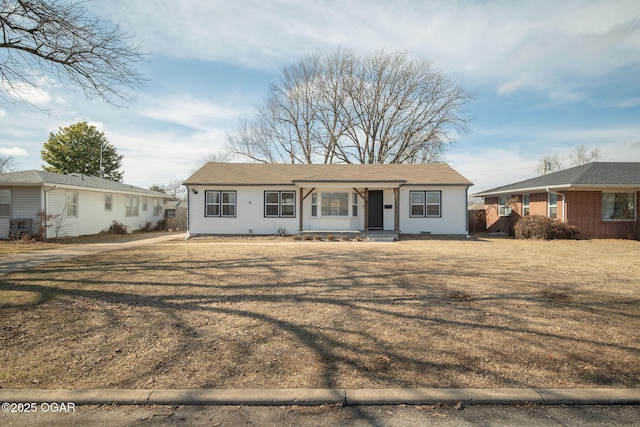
x: 541, y: 189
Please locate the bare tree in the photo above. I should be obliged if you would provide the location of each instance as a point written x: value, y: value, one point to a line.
x: 582, y: 155
x: 211, y: 157
x: 51, y: 38
x: 7, y: 163
x: 380, y: 108
x: 549, y: 164
x: 579, y: 156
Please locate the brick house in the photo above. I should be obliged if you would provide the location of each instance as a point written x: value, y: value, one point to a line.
x: 599, y: 198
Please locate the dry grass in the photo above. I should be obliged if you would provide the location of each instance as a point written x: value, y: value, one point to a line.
x: 13, y: 247
x: 422, y: 313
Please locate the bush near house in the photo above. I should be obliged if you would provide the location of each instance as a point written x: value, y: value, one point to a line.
x: 540, y: 227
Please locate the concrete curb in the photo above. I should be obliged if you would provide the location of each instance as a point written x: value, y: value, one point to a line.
x: 281, y: 397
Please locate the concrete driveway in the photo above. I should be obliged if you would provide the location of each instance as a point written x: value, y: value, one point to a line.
x: 32, y: 259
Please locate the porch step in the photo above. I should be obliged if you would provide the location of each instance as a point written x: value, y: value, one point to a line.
x: 388, y: 236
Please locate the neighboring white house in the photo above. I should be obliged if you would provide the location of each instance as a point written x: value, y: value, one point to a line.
x: 257, y: 198
x: 75, y: 204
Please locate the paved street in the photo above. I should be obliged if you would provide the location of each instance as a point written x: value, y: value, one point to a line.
x: 328, y: 415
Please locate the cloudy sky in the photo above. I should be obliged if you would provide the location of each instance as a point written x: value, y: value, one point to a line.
x: 547, y: 76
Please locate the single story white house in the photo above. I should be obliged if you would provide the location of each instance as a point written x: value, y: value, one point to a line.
x: 258, y: 198
x: 72, y: 204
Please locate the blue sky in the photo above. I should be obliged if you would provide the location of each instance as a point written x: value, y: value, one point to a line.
x: 548, y: 76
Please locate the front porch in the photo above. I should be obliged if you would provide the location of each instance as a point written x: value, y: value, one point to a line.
x: 366, y: 209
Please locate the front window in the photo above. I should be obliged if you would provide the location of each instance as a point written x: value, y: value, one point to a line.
x: 72, y: 203
x: 314, y: 204
x: 504, y: 208
x: 279, y: 204
x: 526, y: 205
x: 157, y: 208
x: 220, y: 203
x: 145, y: 203
x: 131, y: 206
x: 553, y: 206
x: 108, y: 202
x: 5, y: 203
x: 618, y: 206
x: 335, y: 204
x: 354, y: 207
x: 425, y: 204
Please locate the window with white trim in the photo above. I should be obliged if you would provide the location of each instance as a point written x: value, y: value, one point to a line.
x: 145, y: 204
x: 108, y: 202
x: 314, y: 204
x: 552, y: 204
x: 526, y: 204
x: 354, y: 206
x: 335, y: 204
x: 5, y: 202
x: 618, y: 206
x: 71, y: 203
x: 280, y: 204
x: 220, y: 203
x: 425, y: 204
x: 504, y: 208
x: 157, y: 208
x: 131, y: 206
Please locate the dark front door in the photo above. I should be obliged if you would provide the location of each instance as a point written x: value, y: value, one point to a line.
x: 376, y: 210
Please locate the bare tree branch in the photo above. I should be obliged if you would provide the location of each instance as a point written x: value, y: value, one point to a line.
x: 51, y: 38
x: 380, y: 108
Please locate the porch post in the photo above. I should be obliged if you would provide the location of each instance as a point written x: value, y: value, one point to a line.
x: 396, y: 209
x: 301, y: 205
x: 366, y: 209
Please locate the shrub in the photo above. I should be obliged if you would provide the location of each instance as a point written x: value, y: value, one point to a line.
x: 296, y: 237
x: 307, y: 237
x: 540, y: 227
x: 317, y: 237
x: 331, y: 237
x: 161, y: 225
x: 345, y: 238
x: 117, y: 228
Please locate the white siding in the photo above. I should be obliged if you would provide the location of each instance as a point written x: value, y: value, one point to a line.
x: 249, y: 217
x: 92, y: 217
x: 25, y: 203
x: 453, y: 210
x: 333, y: 223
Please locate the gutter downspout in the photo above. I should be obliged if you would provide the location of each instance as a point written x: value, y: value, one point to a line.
x: 466, y: 211
x: 46, y: 227
x: 564, y: 203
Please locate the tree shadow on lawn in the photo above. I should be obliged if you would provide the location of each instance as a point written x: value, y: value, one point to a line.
x: 257, y: 322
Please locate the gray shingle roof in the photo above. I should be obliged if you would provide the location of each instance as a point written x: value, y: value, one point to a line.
x: 603, y: 174
x: 230, y: 174
x: 41, y: 178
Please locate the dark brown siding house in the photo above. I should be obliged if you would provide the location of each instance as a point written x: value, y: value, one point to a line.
x: 599, y: 198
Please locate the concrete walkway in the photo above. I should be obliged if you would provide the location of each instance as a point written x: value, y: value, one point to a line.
x: 31, y: 259
x: 283, y: 397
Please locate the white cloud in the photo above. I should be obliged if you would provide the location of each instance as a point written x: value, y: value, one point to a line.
x: 515, y: 45
x: 13, y: 151
x: 35, y: 95
x: 189, y: 111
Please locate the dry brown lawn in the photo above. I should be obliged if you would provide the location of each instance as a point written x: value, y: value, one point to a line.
x: 13, y: 247
x: 277, y: 314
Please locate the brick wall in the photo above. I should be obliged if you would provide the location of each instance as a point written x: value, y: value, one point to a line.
x: 585, y: 211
